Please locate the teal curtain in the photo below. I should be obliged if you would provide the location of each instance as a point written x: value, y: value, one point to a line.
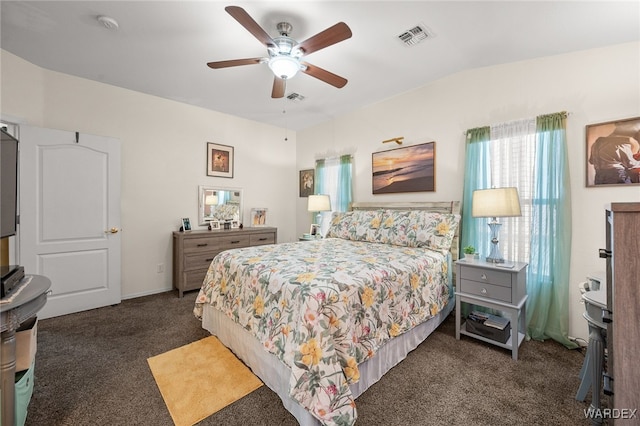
x: 333, y: 177
x: 548, y: 271
x: 475, y: 232
x: 477, y: 175
x: 344, y: 193
x: 319, y: 184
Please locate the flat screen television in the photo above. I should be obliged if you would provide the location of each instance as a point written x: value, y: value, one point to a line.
x: 8, y: 184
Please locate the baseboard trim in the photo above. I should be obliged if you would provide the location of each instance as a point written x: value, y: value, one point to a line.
x: 146, y: 293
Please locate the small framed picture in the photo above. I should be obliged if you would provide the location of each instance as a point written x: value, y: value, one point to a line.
x: 315, y: 230
x: 219, y: 160
x: 186, y: 224
x: 235, y: 224
x: 306, y: 182
x: 258, y: 217
x: 214, y: 225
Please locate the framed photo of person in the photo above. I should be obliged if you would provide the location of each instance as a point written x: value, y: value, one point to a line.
x: 186, y: 224
x: 613, y: 153
x: 258, y: 216
x: 315, y: 230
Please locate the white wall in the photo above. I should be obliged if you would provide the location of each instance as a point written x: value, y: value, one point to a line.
x: 163, y: 159
x: 593, y: 86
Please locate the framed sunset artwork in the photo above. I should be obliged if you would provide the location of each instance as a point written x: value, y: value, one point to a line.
x: 406, y: 169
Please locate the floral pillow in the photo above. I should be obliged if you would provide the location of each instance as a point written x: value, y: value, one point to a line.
x: 417, y: 228
x: 367, y: 225
x: 341, y: 226
x: 358, y: 225
x: 410, y: 228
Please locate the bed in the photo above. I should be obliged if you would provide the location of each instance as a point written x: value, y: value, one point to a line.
x: 320, y: 321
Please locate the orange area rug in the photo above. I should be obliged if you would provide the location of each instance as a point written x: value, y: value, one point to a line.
x: 200, y: 378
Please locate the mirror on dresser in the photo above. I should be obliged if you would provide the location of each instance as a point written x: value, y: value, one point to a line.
x: 221, y: 204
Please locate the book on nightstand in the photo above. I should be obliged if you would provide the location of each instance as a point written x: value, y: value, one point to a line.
x: 490, y: 326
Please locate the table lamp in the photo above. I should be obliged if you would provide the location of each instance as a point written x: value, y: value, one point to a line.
x: 319, y: 203
x: 211, y: 200
x: 495, y: 203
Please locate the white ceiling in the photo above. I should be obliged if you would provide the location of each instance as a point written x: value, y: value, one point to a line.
x: 162, y: 47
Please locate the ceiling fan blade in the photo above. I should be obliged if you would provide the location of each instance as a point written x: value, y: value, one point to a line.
x: 324, y: 75
x: 233, y: 63
x: 279, y: 85
x: 331, y: 35
x: 240, y: 15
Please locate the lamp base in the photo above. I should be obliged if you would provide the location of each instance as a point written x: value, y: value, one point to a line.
x: 495, y: 256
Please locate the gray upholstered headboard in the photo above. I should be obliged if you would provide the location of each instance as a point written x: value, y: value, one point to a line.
x: 432, y: 206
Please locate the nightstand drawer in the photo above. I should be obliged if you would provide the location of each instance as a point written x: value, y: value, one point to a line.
x: 483, y: 275
x: 489, y: 291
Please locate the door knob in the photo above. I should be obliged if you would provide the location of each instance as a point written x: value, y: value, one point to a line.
x: 112, y: 231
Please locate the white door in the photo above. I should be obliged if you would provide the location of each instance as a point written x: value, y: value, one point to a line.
x: 70, y: 217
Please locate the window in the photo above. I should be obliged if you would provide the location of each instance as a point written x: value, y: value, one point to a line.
x: 512, y: 152
x: 333, y: 177
x: 532, y: 156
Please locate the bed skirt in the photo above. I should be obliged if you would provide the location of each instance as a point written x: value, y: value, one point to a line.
x: 275, y: 374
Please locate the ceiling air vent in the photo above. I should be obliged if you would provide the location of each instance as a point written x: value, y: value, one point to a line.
x: 296, y: 97
x: 414, y: 35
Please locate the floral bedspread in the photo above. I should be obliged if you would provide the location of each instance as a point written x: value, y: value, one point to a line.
x: 325, y: 306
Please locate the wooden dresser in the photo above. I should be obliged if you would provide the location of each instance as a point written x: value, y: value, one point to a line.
x: 193, y: 251
x: 623, y: 301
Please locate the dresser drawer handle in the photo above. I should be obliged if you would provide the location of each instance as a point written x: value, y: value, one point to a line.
x: 208, y: 260
x: 235, y: 242
x: 262, y: 239
x: 202, y: 245
x: 483, y: 291
x: 483, y: 276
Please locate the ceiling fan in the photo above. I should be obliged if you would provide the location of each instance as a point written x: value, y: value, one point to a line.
x: 285, y: 53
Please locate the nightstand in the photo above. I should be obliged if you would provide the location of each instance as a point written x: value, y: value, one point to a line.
x: 497, y: 286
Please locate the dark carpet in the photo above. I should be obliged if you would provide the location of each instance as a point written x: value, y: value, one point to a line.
x: 91, y: 369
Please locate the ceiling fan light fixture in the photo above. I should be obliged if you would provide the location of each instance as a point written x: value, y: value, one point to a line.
x: 284, y: 66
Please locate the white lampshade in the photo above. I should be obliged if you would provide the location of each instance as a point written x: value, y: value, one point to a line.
x: 496, y: 202
x: 284, y: 66
x: 319, y: 203
x: 211, y: 200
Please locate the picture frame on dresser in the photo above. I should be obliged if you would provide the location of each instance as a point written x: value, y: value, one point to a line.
x: 214, y: 225
x: 186, y: 224
x: 219, y: 160
x: 258, y: 216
